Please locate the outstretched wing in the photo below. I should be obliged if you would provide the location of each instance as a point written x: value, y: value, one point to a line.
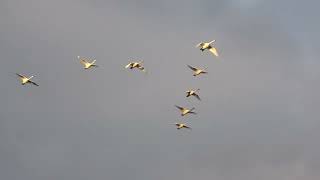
x: 93, y: 61
x: 200, y: 44
x: 192, y: 68
x: 187, y: 127
x: 181, y: 108
x: 83, y: 62
x: 128, y: 65
x: 22, y: 76
x: 197, y: 96
x: 214, y: 51
x: 33, y: 83
x: 212, y: 41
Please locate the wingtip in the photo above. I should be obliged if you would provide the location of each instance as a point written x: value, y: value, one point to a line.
x: 198, y: 45
x: 212, y: 41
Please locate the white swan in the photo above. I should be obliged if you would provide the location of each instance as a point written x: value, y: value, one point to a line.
x: 197, y: 71
x: 185, y: 111
x: 86, y: 64
x: 193, y: 93
x: 137, y: 65
x: 182, y: 125
x: 208, y: 45
x: 25, y: 80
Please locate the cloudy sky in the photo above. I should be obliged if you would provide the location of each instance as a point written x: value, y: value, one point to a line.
x: 258, y: 119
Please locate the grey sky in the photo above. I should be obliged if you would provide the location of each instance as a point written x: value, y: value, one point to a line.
x: 259, y: 115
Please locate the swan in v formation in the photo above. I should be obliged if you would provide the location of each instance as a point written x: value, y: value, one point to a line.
x: 208, y: 45
x: 197, y: 71
x: 24, y: 79
x: 86, y: 64
x: 193, y: 93
x: 182, y: 125
x: 137, y: 65
x: 185, y: 111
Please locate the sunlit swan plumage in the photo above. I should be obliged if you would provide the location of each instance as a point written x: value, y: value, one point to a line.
x: 182, y: 125
x: 197, y: 71
x: 208, y: 45
x: 86, y: 64
x: 24, y: 80
x: 185, y: 111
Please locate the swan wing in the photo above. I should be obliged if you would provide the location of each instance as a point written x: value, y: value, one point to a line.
x: 20, y: 75
x: 192, y: 68
x: 200, y: 44
x: 197, y: 96
x: 181, y: 108
x: 128, y: 65
x: 214, y: 51
x: 33, y: 83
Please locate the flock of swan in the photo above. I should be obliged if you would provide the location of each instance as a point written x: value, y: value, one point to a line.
x: 87, y: 64
x: 196, y: 71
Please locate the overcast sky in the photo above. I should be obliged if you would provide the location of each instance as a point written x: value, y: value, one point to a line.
x: 259, y: 114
